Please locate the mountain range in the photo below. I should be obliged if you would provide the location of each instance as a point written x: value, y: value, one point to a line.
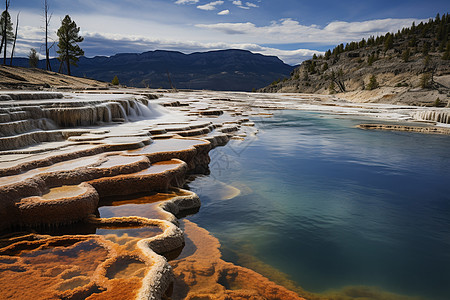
x: 226, y: 70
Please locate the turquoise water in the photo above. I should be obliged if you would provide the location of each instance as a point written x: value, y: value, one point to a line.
x: 332, y: 206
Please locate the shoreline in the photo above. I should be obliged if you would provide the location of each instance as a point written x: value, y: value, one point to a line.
x: 129, y: 157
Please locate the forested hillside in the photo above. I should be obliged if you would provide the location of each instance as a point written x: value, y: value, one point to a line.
x: 417, y: 57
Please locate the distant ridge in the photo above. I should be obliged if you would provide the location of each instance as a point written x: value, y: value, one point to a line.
x: 229, y: 70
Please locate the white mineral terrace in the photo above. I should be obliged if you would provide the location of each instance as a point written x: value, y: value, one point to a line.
x: 62, y: 154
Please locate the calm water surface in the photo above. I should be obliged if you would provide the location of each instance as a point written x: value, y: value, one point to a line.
x: 332, y: 205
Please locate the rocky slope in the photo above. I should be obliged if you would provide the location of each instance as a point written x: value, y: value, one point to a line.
x: 411, y: 66
x: 36, y: 79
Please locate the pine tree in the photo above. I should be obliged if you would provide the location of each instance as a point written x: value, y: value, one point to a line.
x: 331, y: 88
x: 389, y: 42
x: 425, y: 49
x: 405, y: 55
x: 425, y: 80
x: 33, y: 58
x: 69, y: 51
x: 446, y: 55
x: 373, y: 84
x: 115, y: 80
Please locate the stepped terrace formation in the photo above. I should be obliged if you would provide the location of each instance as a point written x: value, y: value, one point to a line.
x: 92, y: 186
x: 73, y: 163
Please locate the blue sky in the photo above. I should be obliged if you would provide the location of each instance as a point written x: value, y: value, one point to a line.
x: 291, y: 29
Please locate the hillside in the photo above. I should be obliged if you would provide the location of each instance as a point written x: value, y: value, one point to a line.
x: 411, y: 66
x: 228, y: 70
x: 36, y: 79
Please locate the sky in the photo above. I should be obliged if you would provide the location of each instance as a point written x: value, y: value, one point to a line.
x: 293, y: 30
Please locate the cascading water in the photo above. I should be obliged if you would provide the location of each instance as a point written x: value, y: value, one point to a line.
x: 441, y: 115
x: 141, y: 112
x: 26, y: 123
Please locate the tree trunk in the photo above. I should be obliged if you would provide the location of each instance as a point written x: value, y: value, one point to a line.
x: 5, y: 32
x: 68, y: 62
x: 47, y: 51
x: 1, y: 46
x: 15, y: 39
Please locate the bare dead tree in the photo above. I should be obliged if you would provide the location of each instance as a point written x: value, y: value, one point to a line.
x: 170, y: 80
x: 15, y: 39
x: 5, y: 32
x: 47, y: 23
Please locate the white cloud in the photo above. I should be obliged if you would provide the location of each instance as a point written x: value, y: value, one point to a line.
x: 210, y: 6
x: 291, y: 31
x: 224, y: 12
x: 230, y: 28
x: 186, y: 1
x: 382, y: 26
x: 249, y: 4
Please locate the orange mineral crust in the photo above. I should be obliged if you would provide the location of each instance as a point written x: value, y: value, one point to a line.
x: 202, y: 274
x: 70, y: 267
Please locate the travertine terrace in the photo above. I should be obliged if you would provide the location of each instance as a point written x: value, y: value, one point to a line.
x: 64, y: 156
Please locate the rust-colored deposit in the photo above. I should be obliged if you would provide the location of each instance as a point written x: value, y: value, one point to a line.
x: 204, y: 275
x: 70, y: 267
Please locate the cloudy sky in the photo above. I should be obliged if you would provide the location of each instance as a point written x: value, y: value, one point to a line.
x: 290, y: 29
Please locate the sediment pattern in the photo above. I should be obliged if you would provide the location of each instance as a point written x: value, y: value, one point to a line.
x: 54, y: 174
x: 420, y: 129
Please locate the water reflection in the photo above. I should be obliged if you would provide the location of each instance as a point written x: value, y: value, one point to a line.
x: 334, y: 206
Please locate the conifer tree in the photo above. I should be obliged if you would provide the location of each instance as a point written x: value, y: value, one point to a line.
x: 373, y: 84
x: 446, y: 55
x: 69, y: 51
x: 115, y: 80
x: 405, y: 55
x: 33, y: 58
x: 389, y: 42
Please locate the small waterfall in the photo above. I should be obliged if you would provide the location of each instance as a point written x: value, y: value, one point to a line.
x: 141, y: 112
x: 133, y: 113
x: 147, y: 112
x: 104, y: 113
x: 436, y: 115
x: 117, y: 111
x: 123, y: 112
x: 46, y: 124
x: 32, y: 122
x: 108, y: 113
